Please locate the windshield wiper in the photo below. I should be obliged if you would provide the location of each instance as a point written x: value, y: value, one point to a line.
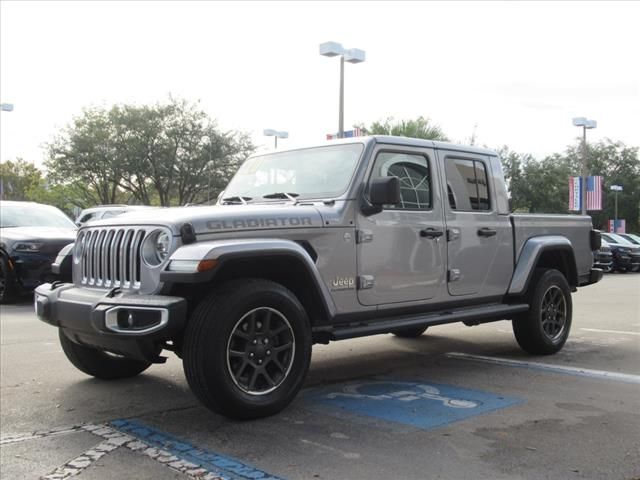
x: 236, y: 199
x: 290, y: 196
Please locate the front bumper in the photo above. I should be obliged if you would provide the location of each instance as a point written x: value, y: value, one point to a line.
x: 627, y: 261
x: 32, y: 269
x: 100, y: 319
x: 603, y: 260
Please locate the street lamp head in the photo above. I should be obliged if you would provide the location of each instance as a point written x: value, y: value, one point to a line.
x: 331, y: 49
x: 584, y: 122
x: 269, y: 132
x: 354, y: 55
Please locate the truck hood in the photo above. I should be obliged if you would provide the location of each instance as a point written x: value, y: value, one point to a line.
x: 223, y: 218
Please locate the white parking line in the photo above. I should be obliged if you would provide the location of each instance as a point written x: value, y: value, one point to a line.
x: 609, y: 331
x: 80, y: 463
x: 585, y: 372
x: 40, y: 434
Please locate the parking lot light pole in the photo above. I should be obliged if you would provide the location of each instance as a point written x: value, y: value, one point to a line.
x: 268, y: 132
x: 616, y: 189
x: 352, y: 55
x: 585, y: 124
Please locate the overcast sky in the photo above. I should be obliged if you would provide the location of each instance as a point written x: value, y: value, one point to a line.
x: 519, y: 71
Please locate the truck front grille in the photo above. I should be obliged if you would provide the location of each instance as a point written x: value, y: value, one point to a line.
x: 111, y: 257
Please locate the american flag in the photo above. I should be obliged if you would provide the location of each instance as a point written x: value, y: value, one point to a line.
x: 594, y: 193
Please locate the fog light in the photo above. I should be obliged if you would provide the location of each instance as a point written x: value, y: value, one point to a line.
x: 136, y: 320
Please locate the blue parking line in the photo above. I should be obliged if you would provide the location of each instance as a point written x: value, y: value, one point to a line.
x: 228, y: 468
x: 417, y: 403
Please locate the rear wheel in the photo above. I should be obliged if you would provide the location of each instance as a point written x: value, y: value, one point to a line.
x: 410, y: 332
x: 247, y: 349
x: 544, y: 329
x: 100, y: 364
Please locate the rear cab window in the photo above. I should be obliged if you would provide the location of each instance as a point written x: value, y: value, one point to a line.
x: 467, y: 184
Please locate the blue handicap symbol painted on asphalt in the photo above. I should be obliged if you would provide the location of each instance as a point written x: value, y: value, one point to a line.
x: 417, y: 403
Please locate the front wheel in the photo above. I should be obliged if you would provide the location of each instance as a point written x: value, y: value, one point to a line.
x: 544, y: 329
x: 100, y: 364
x: 247, y: 349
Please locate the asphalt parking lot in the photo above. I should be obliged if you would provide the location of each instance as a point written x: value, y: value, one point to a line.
x: 457, y: 403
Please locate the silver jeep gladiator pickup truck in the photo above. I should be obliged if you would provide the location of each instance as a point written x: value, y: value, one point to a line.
x: 357, y: 237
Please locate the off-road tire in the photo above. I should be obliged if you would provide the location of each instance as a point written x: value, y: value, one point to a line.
x: 410, y: 332
x: 535, y: 330
x: 7, y: 282
x: 215, y: 324
x: 99, y: 364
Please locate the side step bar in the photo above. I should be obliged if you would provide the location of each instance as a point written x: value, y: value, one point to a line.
x: 469, y: 316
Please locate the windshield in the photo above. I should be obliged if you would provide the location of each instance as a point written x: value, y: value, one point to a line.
x: 31, y: 215
x: 319, y: 172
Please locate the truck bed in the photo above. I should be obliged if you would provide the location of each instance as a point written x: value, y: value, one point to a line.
x: 576, y: 228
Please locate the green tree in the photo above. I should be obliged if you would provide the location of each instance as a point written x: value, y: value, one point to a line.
x: 543, y: 186
x: 17, y: 179
x: 420, y: 127
x: 169, y: 154
x: 618, y: 164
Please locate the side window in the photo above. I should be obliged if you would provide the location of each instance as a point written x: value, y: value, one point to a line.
x: 467, y: 184
x: 482, y: 182
x: 414, y: 175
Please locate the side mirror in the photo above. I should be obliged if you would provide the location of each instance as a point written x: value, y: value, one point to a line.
x: 384, y: 191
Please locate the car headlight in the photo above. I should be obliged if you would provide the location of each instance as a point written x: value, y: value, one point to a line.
x: 156, y: 247
x: 28, y: 246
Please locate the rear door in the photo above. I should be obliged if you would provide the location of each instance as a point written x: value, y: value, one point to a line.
x: 479, y: 251
x: 401, y: 251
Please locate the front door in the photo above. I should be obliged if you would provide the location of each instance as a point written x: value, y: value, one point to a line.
x: 402, y: 250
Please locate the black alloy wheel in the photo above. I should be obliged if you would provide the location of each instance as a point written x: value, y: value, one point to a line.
x: 260, y: 351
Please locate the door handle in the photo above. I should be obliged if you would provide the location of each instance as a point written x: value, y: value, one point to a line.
x: 431, y: 233
x: 486, y: 232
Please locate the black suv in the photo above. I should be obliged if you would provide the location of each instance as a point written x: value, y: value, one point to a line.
x: 626, y: 255
x: 31, y: 235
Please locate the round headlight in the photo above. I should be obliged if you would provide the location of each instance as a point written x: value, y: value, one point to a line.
x: 162, y: 246
x: 155, y: 248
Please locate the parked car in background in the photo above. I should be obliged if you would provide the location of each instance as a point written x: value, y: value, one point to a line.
x: 603, y: 257
x: 633, y: 238
x: 31, y: 235
x: 626, y: 255
x: 105, y: 211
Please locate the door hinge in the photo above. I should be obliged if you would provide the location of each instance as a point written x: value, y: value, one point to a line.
x: 366, y: 282
x: 453, y: 275
x: 364, y: 236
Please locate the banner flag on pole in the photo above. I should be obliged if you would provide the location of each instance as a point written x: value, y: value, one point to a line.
x: 594, y: 193
x: 574, y: 194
